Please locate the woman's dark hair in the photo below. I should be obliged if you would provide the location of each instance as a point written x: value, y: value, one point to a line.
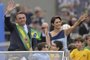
x: 53, y: 20
x: 59, y: 45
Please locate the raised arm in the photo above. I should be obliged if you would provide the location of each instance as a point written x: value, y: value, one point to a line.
x: 9, y: 8
x: 11, y: 5
x: 48, y: 41
x: 81, y: 19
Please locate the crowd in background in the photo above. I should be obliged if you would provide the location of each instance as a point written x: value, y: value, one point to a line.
x: 69, y: 30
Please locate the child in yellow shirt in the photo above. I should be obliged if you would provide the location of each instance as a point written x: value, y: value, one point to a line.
x: 79, y: 53
x: 87, y: 38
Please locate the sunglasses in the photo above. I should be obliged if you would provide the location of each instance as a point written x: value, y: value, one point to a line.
x: 46, y: 47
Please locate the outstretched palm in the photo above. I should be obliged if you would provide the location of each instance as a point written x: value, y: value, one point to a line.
x: 10, y: 6
x: 83, y: 17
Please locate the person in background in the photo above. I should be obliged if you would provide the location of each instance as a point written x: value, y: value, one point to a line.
x: 75, y: 33
x: 87, y: 38
x: 84, y: 28
x: 42, y: 47
x: 44, y: 27
x: 35, y: 34
x: 39, y: 15
x: 38, y: 36
x: 57, y: 46
x: 29, y: 15
x: 79, y: 53
x: 40, y: 55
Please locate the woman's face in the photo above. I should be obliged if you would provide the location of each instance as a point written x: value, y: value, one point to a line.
x: 57, y: 23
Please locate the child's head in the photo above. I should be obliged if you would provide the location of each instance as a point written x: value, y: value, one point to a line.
x: 79, y: 42
x: 87, y: 38
x: 42, y: 46
x: 57, y: 46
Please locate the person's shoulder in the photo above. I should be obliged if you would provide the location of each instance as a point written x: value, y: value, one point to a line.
x: 75, y: 50
x: 87, y: 50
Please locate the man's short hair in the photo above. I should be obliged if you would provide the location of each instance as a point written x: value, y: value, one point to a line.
x: 20, y: 12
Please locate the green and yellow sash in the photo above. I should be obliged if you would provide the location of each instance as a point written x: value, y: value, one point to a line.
x: 24, y: 37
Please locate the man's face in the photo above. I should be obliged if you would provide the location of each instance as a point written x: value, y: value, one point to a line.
x: 21, y: 19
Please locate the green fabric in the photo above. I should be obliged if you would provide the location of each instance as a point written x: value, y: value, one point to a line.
x: 87, y: 47
x: 38, y: 34
x: 24, y: 37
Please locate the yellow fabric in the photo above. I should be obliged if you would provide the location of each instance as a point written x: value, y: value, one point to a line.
x: 80, y: 55
x: 88, y: 53
x: 24, y: 37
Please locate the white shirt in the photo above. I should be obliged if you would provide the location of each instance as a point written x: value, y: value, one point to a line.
x: 25, y: 28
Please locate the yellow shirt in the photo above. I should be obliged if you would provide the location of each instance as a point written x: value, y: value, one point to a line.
x: 80, y: 55
x: 88, y: 53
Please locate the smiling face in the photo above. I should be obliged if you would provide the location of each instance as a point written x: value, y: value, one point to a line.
x: 21, y: 19
x: 57, y: 23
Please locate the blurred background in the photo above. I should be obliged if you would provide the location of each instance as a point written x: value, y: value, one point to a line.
x: 68, y: 10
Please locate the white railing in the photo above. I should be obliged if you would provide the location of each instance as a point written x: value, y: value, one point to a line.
x: 31, y: 55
